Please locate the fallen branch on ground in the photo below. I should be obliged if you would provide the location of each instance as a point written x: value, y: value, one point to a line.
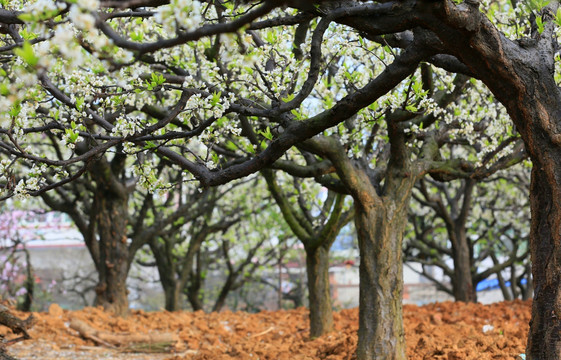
x: 138, y: 342
x: 17, y: 325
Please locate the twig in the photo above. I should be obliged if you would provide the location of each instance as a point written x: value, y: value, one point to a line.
x: 263, y: 332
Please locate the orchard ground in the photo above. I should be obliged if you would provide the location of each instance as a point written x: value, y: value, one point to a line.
x: 451, y: 331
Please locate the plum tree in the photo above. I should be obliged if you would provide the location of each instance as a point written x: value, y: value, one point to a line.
x: 185, y: 78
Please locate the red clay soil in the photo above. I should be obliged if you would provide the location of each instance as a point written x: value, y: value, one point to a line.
x: 451, y: 331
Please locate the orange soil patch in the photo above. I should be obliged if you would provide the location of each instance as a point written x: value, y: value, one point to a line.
x: 450, y: 331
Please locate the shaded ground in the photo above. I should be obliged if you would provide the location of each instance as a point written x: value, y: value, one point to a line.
x: 451, y: 331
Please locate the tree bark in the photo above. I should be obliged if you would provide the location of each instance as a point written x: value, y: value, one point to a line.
x: 380, y: 235
x: 544, y: 340
x: 29, y: 284
x: 111, y: 292
x: 171, y: 295
x: 321, y: 311
x: 463, y: 287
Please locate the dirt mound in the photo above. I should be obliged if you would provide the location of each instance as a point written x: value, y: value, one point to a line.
x: 450, y: 331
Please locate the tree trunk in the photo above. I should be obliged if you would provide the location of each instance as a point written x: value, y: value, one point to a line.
x: 513, y: 282
x: 111, y: 292
x: 167, y: 273
x: 172, y: 292
x: 508, y: 294
x: 29, y: 284
x: 321, y: 312
x: 193, y: 296
x: 380, y: 234
x: 462, y: 283
x: 528, y: 290
x: 196, y: 282
x: 171, y: 295
x: 544, y: 340
x: 223, y: 295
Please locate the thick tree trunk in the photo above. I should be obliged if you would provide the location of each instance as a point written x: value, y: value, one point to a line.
x: 463, y: 282
x: 544, y: 340
x: 380, y: 235
x: 111, y: 292
x: 321, y: 311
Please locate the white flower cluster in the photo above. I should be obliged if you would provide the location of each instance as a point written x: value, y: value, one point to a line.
x: 127, y: 125
x: 81, y: 18
x: 483, y: 111
x: 4, y: 165
x: 147, y: 176
x: 210, y: 106
x: 88, y: 5
x: 183, y: 13
x: 39, y: 7
x: 32, y: 182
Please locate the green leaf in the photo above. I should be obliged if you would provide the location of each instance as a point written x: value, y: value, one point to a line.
x: 26, y: 53
x: 215, y: 98
x: 558, y: 16
x: 72, y: 136
x: 288, y: 98
x: 267, y: 133
x: 137, y: 36
x: 411, y: 108
x: 231, y: 146
x: 26, y: 35
x: 539, y: 22
x: 249, y: 148
x: 149, y: 145
x: 4, y: 89
x: 296, y: 114
x: 158, y: 79
x: 26, y: 17
x: 79, y: 103
x: 15, y: 110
